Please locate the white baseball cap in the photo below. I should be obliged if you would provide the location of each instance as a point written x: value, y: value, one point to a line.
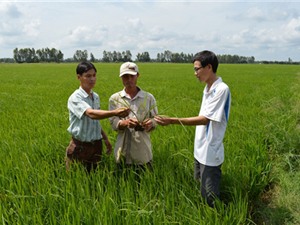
x: 129, y: 68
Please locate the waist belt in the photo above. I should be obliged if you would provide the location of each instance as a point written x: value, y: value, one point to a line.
x: 86, y: 143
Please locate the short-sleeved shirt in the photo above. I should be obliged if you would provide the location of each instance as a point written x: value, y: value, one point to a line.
x: 134, y: 145
x: 208, y: 145
x: 81, y: 126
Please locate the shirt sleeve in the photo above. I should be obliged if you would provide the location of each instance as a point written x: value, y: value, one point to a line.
x: 153, y: 110
x: 153, y: 106
x: 114, y: 120
x: 77, y: 106
x: 214, y: 108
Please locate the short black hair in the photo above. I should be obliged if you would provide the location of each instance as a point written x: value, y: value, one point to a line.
x: 207, y: 57
x: 83, y: 67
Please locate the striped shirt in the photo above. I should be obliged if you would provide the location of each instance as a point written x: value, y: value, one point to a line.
x: 81, y: 126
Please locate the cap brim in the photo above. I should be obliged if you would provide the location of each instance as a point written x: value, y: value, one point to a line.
x: 128, y: 72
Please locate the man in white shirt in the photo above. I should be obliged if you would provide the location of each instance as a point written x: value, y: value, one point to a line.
x: 210, y: 125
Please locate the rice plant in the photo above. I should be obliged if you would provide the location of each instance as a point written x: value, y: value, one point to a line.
x: 34, y: 185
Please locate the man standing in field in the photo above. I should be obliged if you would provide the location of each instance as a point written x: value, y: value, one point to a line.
x: 210, y: 125
x: 133, y: 146
x: 84, y: 113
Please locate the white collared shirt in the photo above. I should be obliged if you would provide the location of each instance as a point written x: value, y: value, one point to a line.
x: 208, y: 145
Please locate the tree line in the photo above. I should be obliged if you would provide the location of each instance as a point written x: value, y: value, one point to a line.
x: 30, y: 55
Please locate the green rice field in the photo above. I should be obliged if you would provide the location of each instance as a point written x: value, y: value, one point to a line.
x: 260, y: 183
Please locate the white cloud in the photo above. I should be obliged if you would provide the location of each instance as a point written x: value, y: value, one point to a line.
x: 9, y: 10
x: 86, y: 36
x: 31, y: 28
x: 134, y: 23
x: 16, y: 28
x: 248, y: 28
x: 9, y: 22
x: 256, y: 14
x: 291, y: 32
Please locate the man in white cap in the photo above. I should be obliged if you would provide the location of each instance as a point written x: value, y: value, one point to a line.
x: 133, y: 146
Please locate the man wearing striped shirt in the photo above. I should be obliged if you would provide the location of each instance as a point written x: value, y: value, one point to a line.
x: 84, y: 115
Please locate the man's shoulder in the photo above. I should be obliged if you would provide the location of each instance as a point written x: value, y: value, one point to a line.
x: 74, y: 94
x: 79, y: 94
x: 95, y: 94
x: 222, y: 85
x: 117, y: 94
x: 146, y: 93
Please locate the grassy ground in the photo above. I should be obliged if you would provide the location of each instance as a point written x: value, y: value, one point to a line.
x: 261, y: 169
x: 279, y: 203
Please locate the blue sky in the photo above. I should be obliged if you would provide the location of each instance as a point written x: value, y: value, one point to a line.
x: 266, y: 30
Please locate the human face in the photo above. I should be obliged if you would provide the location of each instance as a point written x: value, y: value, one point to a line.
x: 129, y: 81
x: 200, y: 71
x: 88, y: 80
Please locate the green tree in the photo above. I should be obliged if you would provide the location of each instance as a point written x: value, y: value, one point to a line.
x: 92, y: 58
x: 105, y: 57
x: 80, y: 55
x: 144, y: 57
x: 126, y: 56
x: 25, y: 55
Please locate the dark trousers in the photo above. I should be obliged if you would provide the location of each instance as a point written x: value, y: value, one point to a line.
x: 210, y: 180
x: 87, y: 153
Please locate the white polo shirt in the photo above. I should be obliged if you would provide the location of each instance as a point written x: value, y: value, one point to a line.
x: 208, y: 145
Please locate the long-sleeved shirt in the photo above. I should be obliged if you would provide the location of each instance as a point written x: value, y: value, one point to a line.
x: 133, y: 145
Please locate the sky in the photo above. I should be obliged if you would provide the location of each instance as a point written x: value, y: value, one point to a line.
x: 267, y: 30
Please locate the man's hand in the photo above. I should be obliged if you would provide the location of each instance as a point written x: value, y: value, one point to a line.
x: 122, y: 112
x: 108, y: 146
x: 162, y: 120
x: 133, y: 122
x: 148, y: 124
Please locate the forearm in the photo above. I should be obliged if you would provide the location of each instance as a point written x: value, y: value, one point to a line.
x: 190, y: 121
x: 107, y: 142
x: 99, y: 114
x: 104, y: 136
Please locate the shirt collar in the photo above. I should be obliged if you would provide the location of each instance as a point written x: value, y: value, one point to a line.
x: 213, y: 86
x: 139, y: 94
x: 83, y: 92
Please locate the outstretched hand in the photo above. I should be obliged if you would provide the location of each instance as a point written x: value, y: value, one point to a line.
x: 122, y: 112
x: 162, y: 120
